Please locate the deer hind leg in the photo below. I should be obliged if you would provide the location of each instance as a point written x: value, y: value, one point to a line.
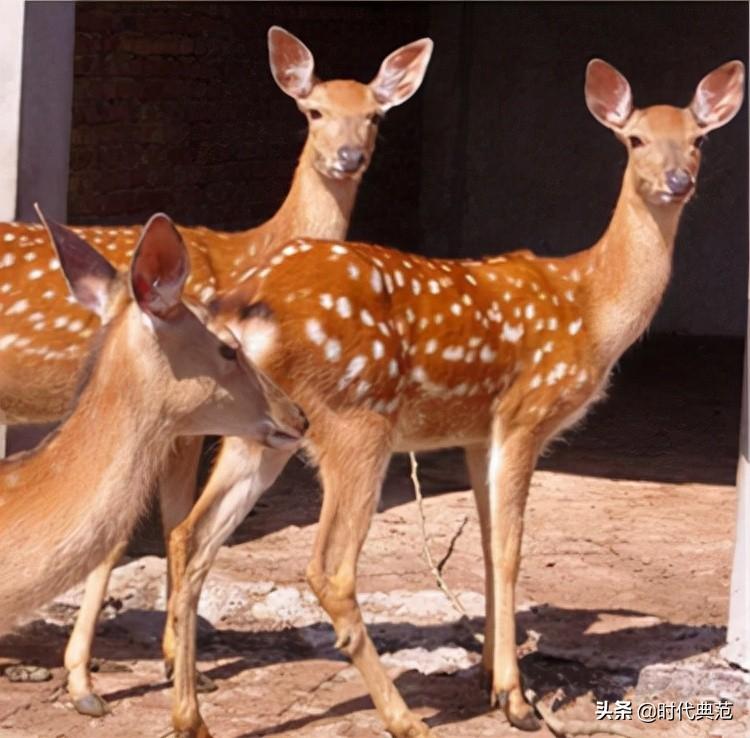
x: 177, y: 493
x: 78, y: 651
x: 511, y: 464
x: 477, y: 458
x: 243, y: 471
x: 352, y: 468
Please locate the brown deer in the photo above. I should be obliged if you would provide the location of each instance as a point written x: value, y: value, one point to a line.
x: 389, y: 351
x: 155, y: 373
x: 44, y: 336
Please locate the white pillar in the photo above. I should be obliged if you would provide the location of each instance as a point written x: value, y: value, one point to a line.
x: 737, y: 650
x: 11, y: 61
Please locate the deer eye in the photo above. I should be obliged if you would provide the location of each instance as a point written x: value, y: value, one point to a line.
x: 699, y: 141
x: 229, y: 353
x: 375, y: 118
x: 635, y: 142
x: 314, y: 114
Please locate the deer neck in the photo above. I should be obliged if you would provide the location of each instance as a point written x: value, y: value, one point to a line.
x: 316, y: 206
x: 629, y: 269
x: 83, y: 490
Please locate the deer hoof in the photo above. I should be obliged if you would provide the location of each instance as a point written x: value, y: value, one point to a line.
x: 91, y: 704
x: 204, y: 684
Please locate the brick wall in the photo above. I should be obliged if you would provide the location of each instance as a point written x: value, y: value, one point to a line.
x: 175, y: 109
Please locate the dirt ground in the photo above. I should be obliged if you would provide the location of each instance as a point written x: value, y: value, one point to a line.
x: 622, y: 592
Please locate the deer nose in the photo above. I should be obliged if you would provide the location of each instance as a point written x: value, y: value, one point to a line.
x: 679, y: 181
x: 351, y: 158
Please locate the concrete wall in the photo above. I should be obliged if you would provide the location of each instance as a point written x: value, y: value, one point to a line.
x: 11, y: 45
x: 512, y: 158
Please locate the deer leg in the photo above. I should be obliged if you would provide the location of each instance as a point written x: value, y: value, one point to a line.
x: 243, y: 471
x: 78, y: 651
x: 511, y: 464
x: 177, y: 494
x: 352, y: 470
x: 477, y: 458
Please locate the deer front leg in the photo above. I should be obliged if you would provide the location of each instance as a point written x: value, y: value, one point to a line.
x: 477, y: 458
x: 243, y: 471
x: 511, y: 464
x: 352, y: 468
x: 177, y: 493
x: 78, y: 651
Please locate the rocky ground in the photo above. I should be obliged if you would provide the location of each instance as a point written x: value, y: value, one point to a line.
x: 623, y: 588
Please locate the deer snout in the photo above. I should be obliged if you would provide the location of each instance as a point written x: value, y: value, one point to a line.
x: 351, y: 158
x: 287, y: 432
x: 679, y: 181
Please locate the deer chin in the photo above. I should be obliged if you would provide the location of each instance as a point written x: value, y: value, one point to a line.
x: 662, y: 197
x: 283, y: 441
x: 335, y: 171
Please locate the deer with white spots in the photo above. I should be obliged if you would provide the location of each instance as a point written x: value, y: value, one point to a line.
x: 388, y: 351
x: 44, y: 334
x: 156, y: 373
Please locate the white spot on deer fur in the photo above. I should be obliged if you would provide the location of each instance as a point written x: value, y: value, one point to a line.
x: 392, y: 405
x: 474, y: 341
x: 423, y: 323
x: 355, y: 366
x: 7, y: 340
x: 547, y: 348
x: 410, y: 317
x: 470, y: 279
x: 536, y: 381
x: 453, y: 353
x: 352, y: 270
x: 8, y: 237
x: 383, y: 328
x: 344, y: 307
x: 315, y: 331
x: 583, y: 375
x: 575, y: 275
x: 407, y: 264
x: 511, y: 333
x: 538, y: 354
x: 418, y: 374
x: 433, y: 286
x: 552, y: 324
x: 332, y: 349
x: 529, y: 311
x: 263, y: 273
x: 378, y: 349
x: 516, y: 312
x: 557, y: 373
x: 439, y: 318
x: 392, y: 368
x: 111, y: 246
x: 569, y: 296
x: 54, y: 264
x: 487, y: 355
x: 258, y: 338
x: 303, y: 247
x: 247, y: 273
x: 376, y: 281
x: 506, y: 296
x: 289, y: 250
x: 399, y: 277
x: 277, y: 259
x: 388, y: 283
x: 35, y: 317
x: 366, y: 318
x: 456, y: 308
x: 363, y: 387
x: 20, y: 306
x: 46, y: 295
x: 466, y: 299
x: 75, y: 326
x: 416, y: 286
x: 7, y: 260
x: 6, y: 288
x: 470, y: 356
x: 339, y: 249
x: 207, y: 293
x: 30, y: 255
x: 326, y: 301
x: 431, y: 346
x: 445, y: 267
x: 575, y: 326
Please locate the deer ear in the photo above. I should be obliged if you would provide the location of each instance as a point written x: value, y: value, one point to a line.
x: 292, y: 63
x: 719, y: 96
x: 159, y: 268
x: 88, y: 274
x: 608, y: 94
x: 401, y: 73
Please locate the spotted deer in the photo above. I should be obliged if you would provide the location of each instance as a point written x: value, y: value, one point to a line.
x: 44, y: 335
x: 155, y: 373
x: 389, y: 351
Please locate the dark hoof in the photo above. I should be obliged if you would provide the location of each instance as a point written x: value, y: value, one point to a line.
x: 91, y: 704
x: 528, y: 721
x: 22, y: 673
x: 204, y: 684
x: 168, y: 670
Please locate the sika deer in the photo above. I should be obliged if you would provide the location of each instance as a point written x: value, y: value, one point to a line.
x: 388, y: 351
x: 155, y: 373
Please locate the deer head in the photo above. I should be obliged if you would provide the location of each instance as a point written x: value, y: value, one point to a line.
x: 343, y: 115
x: 663, y: 142
x: 201, y: 384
